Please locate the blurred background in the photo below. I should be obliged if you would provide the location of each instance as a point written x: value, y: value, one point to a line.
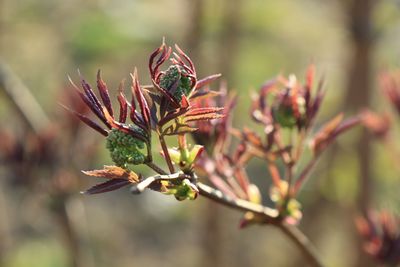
x: 44, y: 221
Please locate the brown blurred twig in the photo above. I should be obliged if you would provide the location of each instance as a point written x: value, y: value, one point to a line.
x: 22, y: 98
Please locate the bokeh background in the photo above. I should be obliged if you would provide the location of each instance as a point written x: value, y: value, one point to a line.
x: 44, y: 221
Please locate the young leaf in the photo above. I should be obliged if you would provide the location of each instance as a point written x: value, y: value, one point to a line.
x: 108, y: 186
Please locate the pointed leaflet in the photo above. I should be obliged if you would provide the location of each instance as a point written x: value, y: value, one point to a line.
x: 90, y: 94
x: 184, y: 102
x: 114, y: 172
x: 124, y: 128
x: 108, y: 186
x: 313, y: 108
x: 210, y: 116
x: 166, y: 52
x: 202, y: 94
x: 151, y: 102
x: 322, y: 137
x: 123, y: 104
x: 181, y: 53
x: 309, y: 83
x: 88, y: 101
x: 167, y: 95
x: 87, y: 121
x: 172, y: 115
x: 205, y: 81
x: 101, y: 85
x: 266, y: 88
x: 203, y: 111
x: 144, y: 108
x: 180, y: 129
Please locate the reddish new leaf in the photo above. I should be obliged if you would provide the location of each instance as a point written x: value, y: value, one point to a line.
x: 207, y: 80
x: 114, y: 172
x: 144, y: 108
x: 210, y: 116
x: 323, y: 136
x: 203, y: 111
x: 101, y: 85
x: 108, y: 186
x: 123, y: 105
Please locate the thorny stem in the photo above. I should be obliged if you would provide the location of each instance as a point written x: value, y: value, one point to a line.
x: 166, y: 154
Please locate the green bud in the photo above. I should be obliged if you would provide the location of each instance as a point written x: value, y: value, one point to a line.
x: 169, y: 78
x: 185, y: 191
x: 283, y: 112
x: 124, y: 148
x: 182, y: 191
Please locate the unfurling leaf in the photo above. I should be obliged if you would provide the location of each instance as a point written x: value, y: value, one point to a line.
x: 118, y: 177
x: 323, y: 137
x: 114, y: 172
x: 195, y: 153
x: 331, y: 131
x: 108, y: 186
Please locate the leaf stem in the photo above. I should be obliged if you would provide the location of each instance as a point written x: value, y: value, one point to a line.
x: 166, y: 153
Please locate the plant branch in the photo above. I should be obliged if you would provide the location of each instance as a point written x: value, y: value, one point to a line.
x: 302, y: 242
x: 155, y: 168
x: 22, y: 98
x: 166, y: 153
x: 268, y: 215
x: 304, y: 174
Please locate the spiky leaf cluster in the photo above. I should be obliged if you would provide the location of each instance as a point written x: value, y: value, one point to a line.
x: 124, y: 148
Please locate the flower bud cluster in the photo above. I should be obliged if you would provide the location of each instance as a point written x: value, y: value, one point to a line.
x: 124, y: 148
x: 169, y: 79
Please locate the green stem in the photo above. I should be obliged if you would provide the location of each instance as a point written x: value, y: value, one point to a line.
x: 166, y: 154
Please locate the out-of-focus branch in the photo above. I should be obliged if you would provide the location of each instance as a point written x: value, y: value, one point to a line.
x: 23, y: 100
x: 302, y: 242
x: 269, y: 216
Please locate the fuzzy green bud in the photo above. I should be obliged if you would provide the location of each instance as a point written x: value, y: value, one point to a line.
x: 169, y: 79
x: 124, y: 148
x: 182, y: 190
x: 283, y: 112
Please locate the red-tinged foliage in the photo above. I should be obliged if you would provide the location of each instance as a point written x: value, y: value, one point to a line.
x: 381, y: 235
x: 330, y: 131
x: 114, y: 172
x: 390, y: 84
x: 282, y: 103
x: 377, y: 124
x: 108, y: 186
x: 118, y: 177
